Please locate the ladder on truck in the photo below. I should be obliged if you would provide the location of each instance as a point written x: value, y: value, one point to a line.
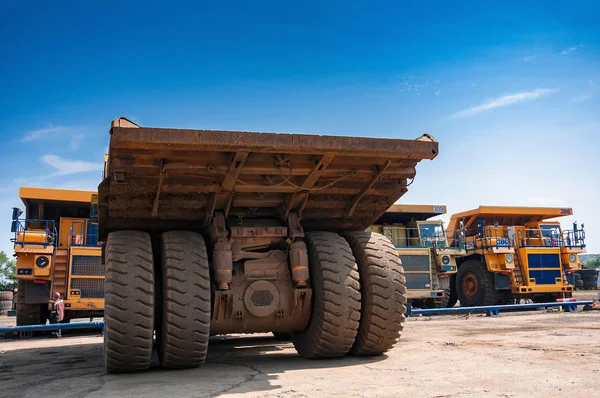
x: 59, y: 276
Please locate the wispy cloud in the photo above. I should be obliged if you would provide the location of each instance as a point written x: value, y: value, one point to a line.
x: 39, y: 133
x: 529, y: 58
x: 571, y: 50
x: 504, y: 101
x: 76, y: 141
x: 65, y: 167
x: 591, y: 90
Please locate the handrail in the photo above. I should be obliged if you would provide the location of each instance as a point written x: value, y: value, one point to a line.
x: 85, y: 239
x: 489, y: 237
x: 534, y: 237
x: 20, y: 230
x: 414, y: 237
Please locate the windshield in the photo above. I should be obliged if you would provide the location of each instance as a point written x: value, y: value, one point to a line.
x: 430, y: 230
x: 432, y: 235
x: 550, y: 231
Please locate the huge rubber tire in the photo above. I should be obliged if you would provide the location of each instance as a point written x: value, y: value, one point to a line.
x: 451, y: 298
x: 475, y: 273
x: 28, y: 314
x: 186, y: 300
x: 6, y: 295
x: 336, y: 298
x: 383, y: 293
x: 129, y: 302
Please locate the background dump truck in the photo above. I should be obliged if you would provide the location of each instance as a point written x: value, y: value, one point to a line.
x: 216, y: 232
x: 427, y: 258
x: 514, y: 253
x: 57, y: 251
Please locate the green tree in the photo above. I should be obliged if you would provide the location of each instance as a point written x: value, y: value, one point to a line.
x: 595, y: 263
x: 7, y: 272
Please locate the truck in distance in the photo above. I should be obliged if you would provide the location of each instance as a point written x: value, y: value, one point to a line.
x: 515, y: 253
x: 57, y: 250
x: 429, y: 261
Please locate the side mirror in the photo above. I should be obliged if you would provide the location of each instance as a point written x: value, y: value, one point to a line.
x: 94, y: 208
x: 16, y: 213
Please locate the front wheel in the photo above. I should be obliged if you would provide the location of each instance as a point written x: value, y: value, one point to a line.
x: 475, y: 285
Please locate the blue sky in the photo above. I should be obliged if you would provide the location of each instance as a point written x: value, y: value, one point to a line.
x: 511, y: 92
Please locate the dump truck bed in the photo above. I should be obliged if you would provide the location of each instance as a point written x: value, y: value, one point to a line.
x: 507, y: 215
x: 159, y: 179
x: 405, y: 213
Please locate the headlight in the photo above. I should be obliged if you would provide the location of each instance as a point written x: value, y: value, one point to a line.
x: 445, y: 260
x: 509, y: 258
x: 572, y: 258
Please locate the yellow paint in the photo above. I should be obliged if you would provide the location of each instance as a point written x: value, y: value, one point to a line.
x: 86, y: 251
x: 64, y: 238
x: 530, y: 214
x: 414, y: 208
x: 85, y: 304
x: 60, y: 195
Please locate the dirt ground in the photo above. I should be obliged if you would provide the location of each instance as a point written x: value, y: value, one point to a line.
x: 530, y: 354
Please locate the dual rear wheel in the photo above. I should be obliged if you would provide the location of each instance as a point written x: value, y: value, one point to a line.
x: 358, y: 299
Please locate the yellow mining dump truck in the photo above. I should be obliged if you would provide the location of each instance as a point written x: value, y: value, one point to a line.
x: 218, y: 232
x: 427, y: 258
x: 515, y: 253
x: 57, y: 250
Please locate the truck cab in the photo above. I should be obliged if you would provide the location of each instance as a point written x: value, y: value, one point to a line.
x: 428, y: 257
x: 57, y: 250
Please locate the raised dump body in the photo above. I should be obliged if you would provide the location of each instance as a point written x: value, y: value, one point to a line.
x: 57, y: 251
x: 250, y: 232
x: 427, y: 257
x: 515, y: 253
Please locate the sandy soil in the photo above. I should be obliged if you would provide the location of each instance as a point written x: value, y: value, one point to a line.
x: 532, y: 354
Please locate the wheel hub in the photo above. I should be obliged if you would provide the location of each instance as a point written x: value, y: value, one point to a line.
x: 470, y: 285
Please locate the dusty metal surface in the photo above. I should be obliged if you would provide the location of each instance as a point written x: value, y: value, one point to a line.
x: 158, y: 179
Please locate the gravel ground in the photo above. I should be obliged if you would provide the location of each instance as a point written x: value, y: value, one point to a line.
x: 530, y: 354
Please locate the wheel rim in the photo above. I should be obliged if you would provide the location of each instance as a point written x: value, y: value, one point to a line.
x: 470, y: 285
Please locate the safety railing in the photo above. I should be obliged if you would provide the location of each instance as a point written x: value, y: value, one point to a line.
x: 420, y: 237
x: 456, y: 239
x: 489, y: 237
x: 32, y: 231
x: 83, y: 234
x: 574, y: 238
x: 534, y: 237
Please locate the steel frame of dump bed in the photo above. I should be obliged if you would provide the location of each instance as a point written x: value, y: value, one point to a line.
x: 159, y: 179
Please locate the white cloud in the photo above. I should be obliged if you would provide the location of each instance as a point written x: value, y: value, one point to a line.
x: 529, y: 58
x: 65, y: 167
x: 76, y: 141
x: 437, y: 93
x: 581, y: 98
x: 505, y: 101
x: 571, y: 50
x: 37, y: 134
x: 587, y: 94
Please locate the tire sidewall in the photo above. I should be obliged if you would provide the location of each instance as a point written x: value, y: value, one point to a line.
x: 471, y: 266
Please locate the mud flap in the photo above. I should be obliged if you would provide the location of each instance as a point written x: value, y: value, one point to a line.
x: 36, y: 293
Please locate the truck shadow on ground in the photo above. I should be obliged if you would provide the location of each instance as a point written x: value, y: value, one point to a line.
x: 234, y: 365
